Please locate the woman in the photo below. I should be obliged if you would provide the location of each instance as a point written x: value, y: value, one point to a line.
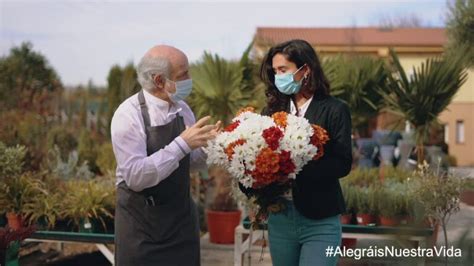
x: 300, y: 234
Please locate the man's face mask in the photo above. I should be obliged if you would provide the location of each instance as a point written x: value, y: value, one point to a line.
x: 183, y: 89
x: 286, y: 83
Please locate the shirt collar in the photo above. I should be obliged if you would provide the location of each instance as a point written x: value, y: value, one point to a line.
x: 163, y: 105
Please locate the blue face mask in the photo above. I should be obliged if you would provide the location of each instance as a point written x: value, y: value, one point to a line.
x: 286, y: 83
x: 183, y: 89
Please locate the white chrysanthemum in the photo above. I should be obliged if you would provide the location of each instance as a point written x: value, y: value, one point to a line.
x: 296, y: 139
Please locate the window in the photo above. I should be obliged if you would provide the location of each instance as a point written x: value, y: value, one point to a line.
x: 459, y: 131
x: 446, y: 133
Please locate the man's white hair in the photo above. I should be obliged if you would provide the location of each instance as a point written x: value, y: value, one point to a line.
x: 150, y: 66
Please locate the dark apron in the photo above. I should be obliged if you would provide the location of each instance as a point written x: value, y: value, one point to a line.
x: 159, y: 225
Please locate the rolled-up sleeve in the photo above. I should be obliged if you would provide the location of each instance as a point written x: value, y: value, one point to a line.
x: 138, y: 170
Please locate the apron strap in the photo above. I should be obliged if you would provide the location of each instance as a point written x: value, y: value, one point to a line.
x: 144, y: 109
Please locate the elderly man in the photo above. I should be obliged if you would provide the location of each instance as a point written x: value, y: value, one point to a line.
x: 156, y: 141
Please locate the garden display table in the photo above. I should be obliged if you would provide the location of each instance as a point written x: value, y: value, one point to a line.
x: 421, y: 236
x: 100, y: 240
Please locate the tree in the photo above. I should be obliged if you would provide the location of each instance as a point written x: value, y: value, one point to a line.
x: 27, y: 81
x: 217, y: 88
x: 356, y: 80
x: 421, y: 98
x: 253, y: 90
x: 122, y: 83
x: 460, y: 28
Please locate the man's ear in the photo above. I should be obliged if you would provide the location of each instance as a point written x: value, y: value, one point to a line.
x: 160, y: 81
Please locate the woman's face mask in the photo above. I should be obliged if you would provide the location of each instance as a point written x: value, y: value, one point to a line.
x: 286, y: 83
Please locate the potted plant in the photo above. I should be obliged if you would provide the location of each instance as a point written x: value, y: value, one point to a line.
x: 346, y: 218
x: 439, y: 196
x: 223, y: 216
x: 389, y: 205
x: 15, y: 193
x: 44, y: 209
x: 8, y: 238
x: 365, y: 205
x: 350, y: 199
x: 86, y: 204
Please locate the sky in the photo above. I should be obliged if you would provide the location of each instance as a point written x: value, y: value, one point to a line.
x: 83, y: 39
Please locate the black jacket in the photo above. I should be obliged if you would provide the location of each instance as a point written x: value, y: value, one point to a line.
x: 316, y: 192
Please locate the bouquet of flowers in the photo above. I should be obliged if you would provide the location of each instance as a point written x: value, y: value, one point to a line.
x: 264, y: 154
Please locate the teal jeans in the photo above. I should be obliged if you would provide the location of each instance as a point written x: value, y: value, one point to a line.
x: 299, y: 241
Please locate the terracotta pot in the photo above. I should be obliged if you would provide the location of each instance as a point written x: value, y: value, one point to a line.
x: 14, y: 220
x: 346, y: 219
x: 365, y: 219
x: 221, y: 226
x: 467, y: 196
x: 389, y: 221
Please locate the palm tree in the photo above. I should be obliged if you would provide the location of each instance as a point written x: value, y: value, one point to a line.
x: 356, y: 80
x: 423, y: 96
x: 222, y: 87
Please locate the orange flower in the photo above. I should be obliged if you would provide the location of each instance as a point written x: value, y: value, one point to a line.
x: 230, y: 148
x: 246, y: 109
x: 267, y: 161
x: 320, y: 135
x: 280, y: 119
x: 319, y: 138
x: 320, y: 152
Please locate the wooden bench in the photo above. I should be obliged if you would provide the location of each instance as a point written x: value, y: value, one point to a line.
x: 100, y: 240
x: 422, y: 236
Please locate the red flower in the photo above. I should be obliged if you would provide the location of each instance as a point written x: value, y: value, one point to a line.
x: 232, y: 126
x: 272, y: 137
x: 286, y: 164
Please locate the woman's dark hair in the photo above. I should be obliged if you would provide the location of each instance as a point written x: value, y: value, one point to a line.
x: 299, y: 52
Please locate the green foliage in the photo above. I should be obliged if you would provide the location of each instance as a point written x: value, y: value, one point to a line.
x: 11, y: 161
x: 438, y: 194
x: 45, y: 207
x: 393, y: 199
x: 87, y: 150
x: 469, y: 184
x: 62, y: 138
x: 86, y: 200
x: 355, y: 80
x: 28, y: 129
x: 459, y: 28
x: 106, y: 158
x: 421, y: 98
x: 220, y: 87
x: 15, y: 193
x: 350, y: 195
x: 253, y: 90
x: 122, y: 83
x: 27, y: 81
x: 366, y: 200
x: 362, y: 177
x: 67, y: 169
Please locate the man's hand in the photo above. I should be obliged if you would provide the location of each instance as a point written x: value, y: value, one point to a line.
x: 198, y: 135
x: 217, y: 130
